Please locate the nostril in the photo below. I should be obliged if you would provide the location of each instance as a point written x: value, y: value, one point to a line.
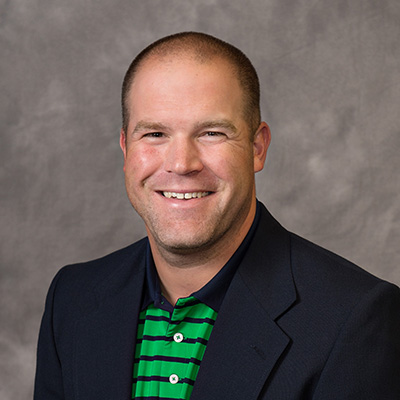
x: 184, y: 163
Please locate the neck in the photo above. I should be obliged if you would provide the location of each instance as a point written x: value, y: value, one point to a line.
x: 182, y: 274
x: 178, y: 282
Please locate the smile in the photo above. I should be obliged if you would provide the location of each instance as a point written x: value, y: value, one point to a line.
x: 185, y: 196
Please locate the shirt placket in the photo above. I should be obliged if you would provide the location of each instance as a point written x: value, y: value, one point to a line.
x: 176, y: 340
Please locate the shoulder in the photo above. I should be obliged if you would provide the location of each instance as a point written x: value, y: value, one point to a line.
x: 81, y: 286
x: 320, y: 281
x: 333, y: 289
x: 97, y: 270
x: 322, y: 269
x: 310, y: 265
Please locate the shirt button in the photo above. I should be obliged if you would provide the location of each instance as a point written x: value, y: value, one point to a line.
x: 178, y: 337
x: 174, y: 379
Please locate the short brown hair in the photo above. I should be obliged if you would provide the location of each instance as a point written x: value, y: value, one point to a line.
x: 203, y: 47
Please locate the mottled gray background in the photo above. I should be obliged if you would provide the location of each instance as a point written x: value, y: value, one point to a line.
x: 331, y: 93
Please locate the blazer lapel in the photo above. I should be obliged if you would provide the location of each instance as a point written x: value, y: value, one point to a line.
x: 246, y: 342
x: 105, y: 339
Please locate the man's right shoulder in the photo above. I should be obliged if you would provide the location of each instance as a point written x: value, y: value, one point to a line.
x: 107, y: 264
x: 102, y: 274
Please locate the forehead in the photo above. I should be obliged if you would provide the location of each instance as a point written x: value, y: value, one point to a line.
x: 184, y: 82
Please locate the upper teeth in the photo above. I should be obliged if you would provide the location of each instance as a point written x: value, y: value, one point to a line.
x: 182, y: 196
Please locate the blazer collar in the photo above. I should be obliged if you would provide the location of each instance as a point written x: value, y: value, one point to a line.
x: 246, y: 342
x: 267, y: 270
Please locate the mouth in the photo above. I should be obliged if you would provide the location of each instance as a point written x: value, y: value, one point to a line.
x: 185, y: 195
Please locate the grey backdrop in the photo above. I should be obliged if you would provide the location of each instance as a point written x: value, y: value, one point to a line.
x: 330, y: 91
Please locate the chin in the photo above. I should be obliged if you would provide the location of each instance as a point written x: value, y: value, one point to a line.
x: 185, y: 245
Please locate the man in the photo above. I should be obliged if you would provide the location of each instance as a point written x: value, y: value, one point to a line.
x: 220, y: 301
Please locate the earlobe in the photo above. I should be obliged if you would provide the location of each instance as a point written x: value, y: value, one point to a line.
x: 122, y: 144
x: 262, y: 139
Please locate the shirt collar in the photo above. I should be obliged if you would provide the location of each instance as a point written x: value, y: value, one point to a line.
x: 211, y: 294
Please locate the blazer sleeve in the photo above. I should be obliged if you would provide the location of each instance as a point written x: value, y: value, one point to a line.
x: 365, y: 360
x: 48, y: 380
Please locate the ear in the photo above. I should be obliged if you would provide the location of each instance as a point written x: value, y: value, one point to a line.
x: 262, y: 139
x: 122, y: 143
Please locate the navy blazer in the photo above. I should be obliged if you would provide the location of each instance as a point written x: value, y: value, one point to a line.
x: 297, y: 322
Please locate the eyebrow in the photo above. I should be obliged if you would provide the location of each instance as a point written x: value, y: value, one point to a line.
x: 149, y: 126
x: 156, y: 126
x: 218, y: 123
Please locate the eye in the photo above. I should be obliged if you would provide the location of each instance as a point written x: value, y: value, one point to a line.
x: 154, y: 138
x: 213, y: 134
x: 213, y: 137
x: 154, y: 135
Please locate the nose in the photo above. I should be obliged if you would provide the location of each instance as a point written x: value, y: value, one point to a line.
x: 183, y: 156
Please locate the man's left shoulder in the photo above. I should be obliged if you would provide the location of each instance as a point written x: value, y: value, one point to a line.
x: 325, y: 271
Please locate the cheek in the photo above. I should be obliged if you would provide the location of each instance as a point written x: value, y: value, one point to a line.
x: 142, y: 162
x: 231, y: 164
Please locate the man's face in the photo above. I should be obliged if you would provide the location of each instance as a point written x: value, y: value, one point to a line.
x: 189, y: 156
